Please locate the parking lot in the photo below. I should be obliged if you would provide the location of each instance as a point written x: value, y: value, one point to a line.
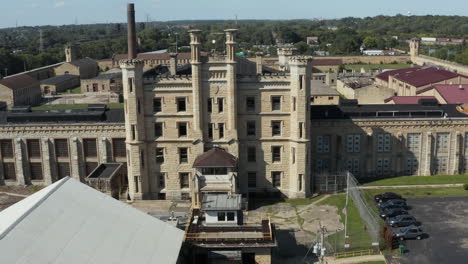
x: 445, y: 221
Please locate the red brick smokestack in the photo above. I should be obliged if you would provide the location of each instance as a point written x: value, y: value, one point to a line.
x: 131, y: 31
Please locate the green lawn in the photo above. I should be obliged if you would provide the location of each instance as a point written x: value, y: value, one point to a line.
x: 76, y: 90
x: 73, y: 106
x: 374, y: 262
x: 359, y: 238
x: 367, y: 67
x: 420, y: 192
x: 417, y: 180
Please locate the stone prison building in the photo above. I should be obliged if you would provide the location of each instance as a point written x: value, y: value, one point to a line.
x: 282, y: 144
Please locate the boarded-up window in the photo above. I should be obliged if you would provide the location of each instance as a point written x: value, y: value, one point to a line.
x: 36, y: 170
x: 34, y: 149
x: 9, y: 171
x: 118, y: 147
x: 89, y: 147
x: 61, y: 148
x: 7, y: 148
x: 184, y: 180
x: 89, y: 167
x: 63, y: 169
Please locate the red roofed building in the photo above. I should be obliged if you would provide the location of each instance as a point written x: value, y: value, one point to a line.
x: 447, y: 94
x: 407, y: 82
x: 406, y: 99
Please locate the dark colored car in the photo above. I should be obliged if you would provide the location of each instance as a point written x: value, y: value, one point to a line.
x: 393, y: 204
x: 408, y: 233
x: 387, y: 196
x: 402, y: 220
x: 392, y: 212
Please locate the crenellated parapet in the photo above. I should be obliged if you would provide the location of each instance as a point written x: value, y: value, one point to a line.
x: 130, y: 63
x: 300, y: 60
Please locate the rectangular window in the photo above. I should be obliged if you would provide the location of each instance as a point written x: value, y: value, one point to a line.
x: 209, y: 105
x: 157, y: 107
x: 230, y: 216
x: 252, y: 179
x: 63, y: 169
x: 182, y: 129
x: 412, y: 166
x: 210, y: 130
x: 294, y: 103
x: 383, y: 142
x: 301, y: 127
x: 89, y: 167
x: 275, y: 103
x: 6, y: 147
x: 36, y: 170
x: 221, y: 130
x: 136, y: 182
x: 323, y: 144
x: 442, y: 142
x: 142, y: 158
x: 353, y: 143
x: 293, y: 155
x: 183, y: 155
x: 184, y: 180
x: 130, y: 84
x: 301, y: 77
x: 89, y: 147
x: 251, y: 154
x: 220, y: 105
x: 276, y: 128
x: 181, y: 105
x: 383, y: 167
x: 61, y: 148
x: 276, y: 153
x: 34, y: 149
x: 276, y: 178
x: 299, y: 179
x: 413, y: 142
x: 251, y: 128
x: 9, y: 171
x: 158, y: 129
x: 250, y: 104
x: 322, y: 166
x: 162, y: 180
x: 221, y: 216
x: 352, y: 165
x: 133, y: 132
x: 118, y: 147
x: 159, y: 155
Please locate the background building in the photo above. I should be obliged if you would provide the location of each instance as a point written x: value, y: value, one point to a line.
x: 20, y: 90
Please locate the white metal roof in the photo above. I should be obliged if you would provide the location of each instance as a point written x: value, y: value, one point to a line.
x: 69, y: 222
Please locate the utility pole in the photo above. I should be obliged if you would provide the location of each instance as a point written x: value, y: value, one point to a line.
x: 41, y: 41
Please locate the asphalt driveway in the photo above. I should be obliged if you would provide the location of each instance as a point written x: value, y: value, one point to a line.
x: 446, y: 222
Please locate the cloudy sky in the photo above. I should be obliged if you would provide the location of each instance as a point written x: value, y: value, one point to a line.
x: 60, y: 12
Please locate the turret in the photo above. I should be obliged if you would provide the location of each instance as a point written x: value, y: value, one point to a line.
x: 414, y: 48
x: 70, y: 53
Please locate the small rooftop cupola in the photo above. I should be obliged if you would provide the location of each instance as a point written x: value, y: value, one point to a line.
x: 216, y: 172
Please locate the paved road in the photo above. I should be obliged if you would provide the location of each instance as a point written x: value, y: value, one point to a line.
x: 445, y: 220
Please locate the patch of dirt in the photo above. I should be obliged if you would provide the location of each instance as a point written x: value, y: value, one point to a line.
x: 8, y: 200
x: 23, y: 190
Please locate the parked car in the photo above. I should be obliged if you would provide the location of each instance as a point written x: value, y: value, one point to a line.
x: 392, y: 212
x: 387, y: 196
x: 393, y: 204
x: 408, y: 233
x: 402, y: 220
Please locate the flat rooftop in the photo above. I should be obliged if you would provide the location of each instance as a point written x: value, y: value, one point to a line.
x: 213, y: 202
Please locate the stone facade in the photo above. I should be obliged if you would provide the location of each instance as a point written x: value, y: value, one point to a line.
x: 56, y: 148
x: 20, y: 90
x: 217, y: 105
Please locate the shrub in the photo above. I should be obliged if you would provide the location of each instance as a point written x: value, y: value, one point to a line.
x: 465, y: 186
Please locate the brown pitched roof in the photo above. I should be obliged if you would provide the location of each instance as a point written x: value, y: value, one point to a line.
x: 83, y: 62
x: 215, y: 157
x: 19, y: 81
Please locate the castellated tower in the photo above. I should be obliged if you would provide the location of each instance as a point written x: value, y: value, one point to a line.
x: 414, y: 48
x: 70, y: 53
x: 301, y: 70
x: 132, y: 77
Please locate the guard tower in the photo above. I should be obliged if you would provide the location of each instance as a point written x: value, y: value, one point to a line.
x: 70, y: 53
x: 414, y: 48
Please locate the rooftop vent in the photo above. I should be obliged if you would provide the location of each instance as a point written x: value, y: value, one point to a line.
x: 461, y: 87
x: 348, y: 102
x: 428, y: 102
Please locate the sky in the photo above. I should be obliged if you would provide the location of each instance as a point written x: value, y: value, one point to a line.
x: 62, y: 12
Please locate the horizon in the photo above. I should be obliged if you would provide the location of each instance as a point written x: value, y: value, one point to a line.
x: 28, y: 13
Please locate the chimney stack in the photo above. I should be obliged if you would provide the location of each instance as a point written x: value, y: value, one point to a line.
x: 131, y: 31
x: 173, y: 64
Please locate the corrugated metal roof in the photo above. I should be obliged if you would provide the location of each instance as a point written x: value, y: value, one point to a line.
x: 19, y: 81
x: 214, y: 202
x: 59, y: 79
x: 69, y: 222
